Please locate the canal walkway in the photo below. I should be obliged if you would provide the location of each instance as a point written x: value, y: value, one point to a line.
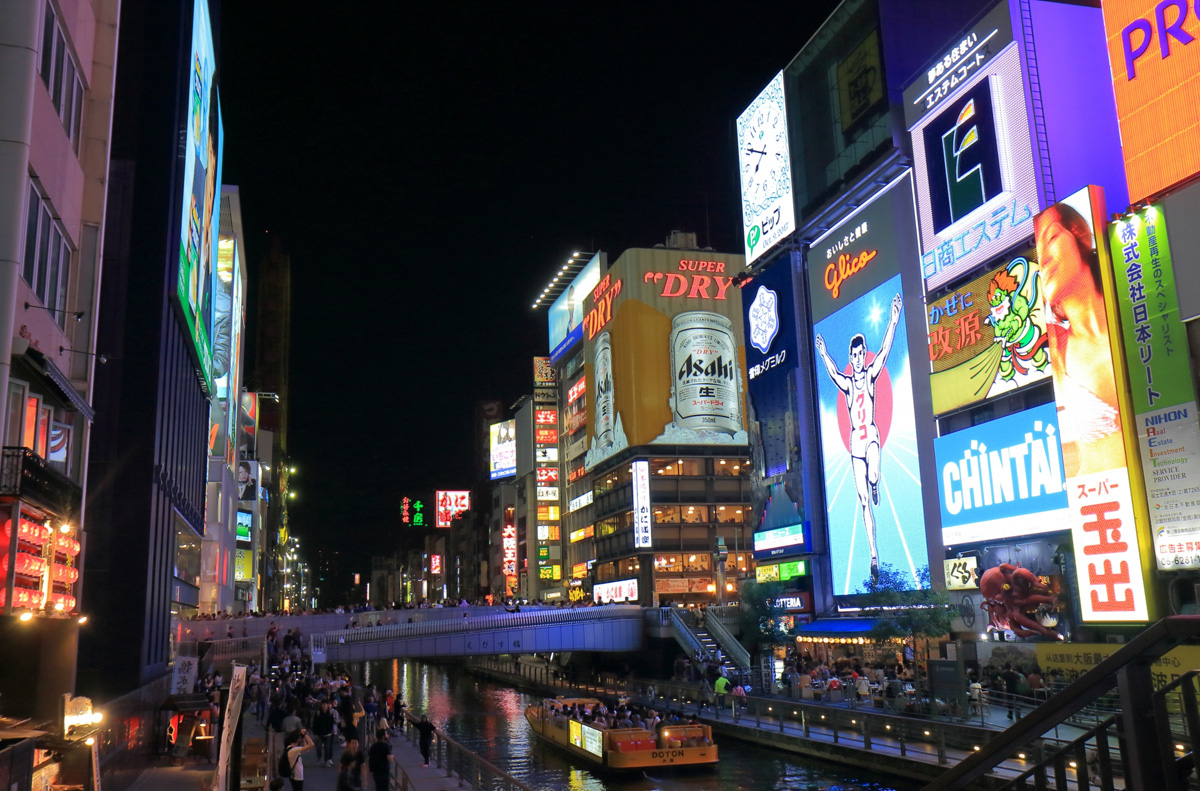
x: 914, y: 747
x: 409, y: 772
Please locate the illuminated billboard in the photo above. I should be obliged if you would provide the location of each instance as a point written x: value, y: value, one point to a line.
x: 787, y: 540
x: 988, y: 336
x: 1003, y: 478
x: 1086, y: 362
x: 449, y: 505
x: 1164, y: 397
x: 566, y: 314
x: 503, y: 457
x: 1155, y: 66
x: 201, y: 206
x: 976, y: 180
x: 643, y: 536
x: 245, y: 519
x: 765, y: 167
x: 508, y: 546
x: 771, y: 358
x: 665, y: 355
x: 620, y: 591
x: 865, y: 396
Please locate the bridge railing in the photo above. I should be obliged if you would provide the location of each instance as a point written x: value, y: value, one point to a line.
x: 683, y: 633
x: 458, y: 761
x: 506, y: 620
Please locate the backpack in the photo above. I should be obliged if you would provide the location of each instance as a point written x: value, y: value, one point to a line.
x: 285, y: 766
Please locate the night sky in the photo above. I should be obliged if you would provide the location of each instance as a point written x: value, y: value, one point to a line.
x: 428, y: 166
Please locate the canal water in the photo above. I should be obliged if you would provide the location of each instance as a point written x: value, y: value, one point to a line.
x: 488, y: 718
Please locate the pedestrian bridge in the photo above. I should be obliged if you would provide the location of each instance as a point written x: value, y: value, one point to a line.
x: 484, y: 631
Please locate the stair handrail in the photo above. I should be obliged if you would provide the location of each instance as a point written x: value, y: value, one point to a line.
x: 684, y: 634
x: 1151, y: 644
x: 733, y: 649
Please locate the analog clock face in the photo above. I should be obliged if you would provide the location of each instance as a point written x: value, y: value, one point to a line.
x: 766, y: 172
x: 764, y: 157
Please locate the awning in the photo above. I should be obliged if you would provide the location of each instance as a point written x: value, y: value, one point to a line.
x: 59, y: 381
x: 833, y: 628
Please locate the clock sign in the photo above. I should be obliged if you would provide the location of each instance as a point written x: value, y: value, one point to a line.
x: 768, y: 212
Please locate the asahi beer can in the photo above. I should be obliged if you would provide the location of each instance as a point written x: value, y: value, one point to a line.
x: 604, y: 391
x: 705, y: 393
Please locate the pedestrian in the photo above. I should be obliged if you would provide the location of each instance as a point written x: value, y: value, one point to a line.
x: 356, y: 754
x: 379, y: 760
x: 721, y: 687
x: 426, y: 729
x: 299, y: 743
x: 347, y: 781
x: 323, y: 725
x: 1012, y: 680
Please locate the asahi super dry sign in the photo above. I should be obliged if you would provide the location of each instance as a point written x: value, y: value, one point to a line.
x: 664, y: 353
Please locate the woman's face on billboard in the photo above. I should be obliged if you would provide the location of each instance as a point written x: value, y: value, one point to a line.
x: 1058, y: 252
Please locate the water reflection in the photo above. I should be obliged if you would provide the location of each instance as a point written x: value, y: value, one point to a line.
x: 489, y: 719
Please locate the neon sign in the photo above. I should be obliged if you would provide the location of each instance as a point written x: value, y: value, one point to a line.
x: 846, y: 267
x: 690, y: 286
x: 577, y: 390
x: 508, y: 539
x: 601, y: 313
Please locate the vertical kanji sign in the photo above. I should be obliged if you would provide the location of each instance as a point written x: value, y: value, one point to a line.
x: 1093, y: 409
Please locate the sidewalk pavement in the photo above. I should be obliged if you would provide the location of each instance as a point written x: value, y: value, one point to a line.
x: 197, y: 774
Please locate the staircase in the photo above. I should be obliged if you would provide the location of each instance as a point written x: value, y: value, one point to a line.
x: 1147, y: 745
x: 693, y: 638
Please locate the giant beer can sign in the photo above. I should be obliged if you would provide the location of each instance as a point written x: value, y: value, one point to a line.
x: 604, y: 391
x: 705, y: 392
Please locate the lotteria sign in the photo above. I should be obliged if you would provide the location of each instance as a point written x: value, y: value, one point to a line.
x: 1002, y: 479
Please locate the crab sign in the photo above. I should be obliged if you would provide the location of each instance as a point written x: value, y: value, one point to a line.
x: 1011, y: 596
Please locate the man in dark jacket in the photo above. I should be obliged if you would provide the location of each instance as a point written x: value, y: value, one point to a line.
x: 323, y: 725
x: 379, y: 760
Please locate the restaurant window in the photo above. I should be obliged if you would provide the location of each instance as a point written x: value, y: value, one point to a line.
x: 13, y: 435
x: 60, y: 448
x: 43, y: 431
x: 29, y: 437
x: 693, y: 514
x: 737, y: 561
x: 666, y: 514
x: 697, y: 562
x: 730, y: 467
x: 729, y: 514
x: 668, y: 563
x: 629, y: 567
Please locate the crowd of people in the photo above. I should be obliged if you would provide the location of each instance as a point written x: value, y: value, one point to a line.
x: 324, y: 718
x: 625, y: 715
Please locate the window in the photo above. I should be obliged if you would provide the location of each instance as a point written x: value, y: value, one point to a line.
x: 666, y: 514
x: 60, y: 448
x: 694, y: 514
x: 47, y: 262
x: 729, y: 514
x: 16, y: 408
x: 733, y: 467
x: 60, y: 75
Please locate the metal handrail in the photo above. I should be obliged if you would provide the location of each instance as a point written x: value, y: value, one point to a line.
x: 684, y: 635
x: 1126, y: 669
x: 736, y: 652
x: 458, y: 761
x: 506, y: 620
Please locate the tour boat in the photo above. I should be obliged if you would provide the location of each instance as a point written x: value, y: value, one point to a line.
x: 620, y: 748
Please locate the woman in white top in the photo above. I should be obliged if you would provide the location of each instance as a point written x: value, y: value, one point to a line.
x: 300, y: 744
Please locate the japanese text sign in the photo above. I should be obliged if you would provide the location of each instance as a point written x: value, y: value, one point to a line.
x: 988, y: 336
x: 1164, y: 399
x: 450, y: 505
x: 643, y: 536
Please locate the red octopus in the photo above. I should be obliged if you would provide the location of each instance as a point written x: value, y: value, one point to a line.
x: 1010, y: 595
